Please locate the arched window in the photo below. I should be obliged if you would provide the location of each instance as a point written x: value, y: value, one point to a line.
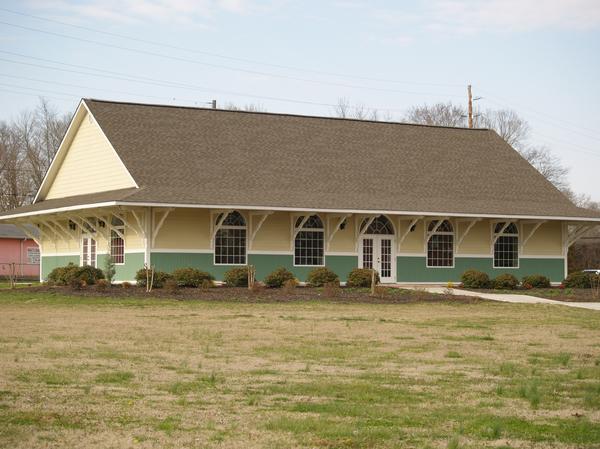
x: 440, y: 245
x: 230, y: 239
x: 380, y: 225
x: 506, y: 245
x: 308, y: 244
x: 117, y: 243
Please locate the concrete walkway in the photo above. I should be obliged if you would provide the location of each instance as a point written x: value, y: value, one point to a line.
x: 506, y: 297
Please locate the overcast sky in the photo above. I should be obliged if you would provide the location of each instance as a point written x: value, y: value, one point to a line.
x: 541, y: 59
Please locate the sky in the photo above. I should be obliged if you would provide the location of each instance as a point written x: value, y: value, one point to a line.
x: 302, y: 57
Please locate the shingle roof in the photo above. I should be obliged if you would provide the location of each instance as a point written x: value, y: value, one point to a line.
x: 8, y: 231
x: 203, y: 156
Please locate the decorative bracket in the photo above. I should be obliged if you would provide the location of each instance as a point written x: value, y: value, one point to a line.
x: 263, y: 216
x: 533, y: 231
x: 219, y: 224
x: 336, y: 228
x: 160, y: 223
x: 464, y: 234
x: 413, y: 222
x: 579, y: 232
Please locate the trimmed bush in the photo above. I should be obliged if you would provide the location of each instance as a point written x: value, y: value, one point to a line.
x: 236, y: 277
x: 475, y: 279
x: 321, y: 276
x: 160, y: 277
x: 277, y: 278
x: 102, y: 284
x: 64, y: 275
x: 191, y: 277
x: 578, y: 279
x: 88, y: 274
x: 536, y: 281
x: 361, y: 277
x: 171, y: 285
x: 506, y: 281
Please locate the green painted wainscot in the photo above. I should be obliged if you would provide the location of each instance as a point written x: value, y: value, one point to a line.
x: 414, y: 269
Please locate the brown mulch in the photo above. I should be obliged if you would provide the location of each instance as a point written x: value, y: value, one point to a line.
x: 238, y: 294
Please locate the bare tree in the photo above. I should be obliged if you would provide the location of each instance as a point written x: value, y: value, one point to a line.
x: 548, y: 164
x: 27, y: 146
x: 440, y: 114
x: 345, y: 109
x: 248, y: 107
x: 507, y: 123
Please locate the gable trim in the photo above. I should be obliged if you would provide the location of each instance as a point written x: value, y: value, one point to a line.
x: 62, y: 148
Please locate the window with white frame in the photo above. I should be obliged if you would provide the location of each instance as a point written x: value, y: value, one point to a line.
x: 506, y: 245
x: 309, y: 241
x: 88, y: 242
x: 440, y: 245
x: 117, y: 243
x: 230, y: 239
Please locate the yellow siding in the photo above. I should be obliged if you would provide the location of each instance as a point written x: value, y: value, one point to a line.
x: 89, y: 165
x: 414, y: 241
x: 185, y: 229
x: 477, y: 241
x: 274, y: 234
x: 547, y: 240
x: 343, y: 240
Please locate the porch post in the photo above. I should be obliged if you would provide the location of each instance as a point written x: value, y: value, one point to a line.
x: 147, y: 235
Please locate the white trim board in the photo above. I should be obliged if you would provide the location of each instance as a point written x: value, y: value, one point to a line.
x: 294, y: 209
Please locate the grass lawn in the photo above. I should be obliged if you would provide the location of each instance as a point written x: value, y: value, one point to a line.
x: 159, y: 373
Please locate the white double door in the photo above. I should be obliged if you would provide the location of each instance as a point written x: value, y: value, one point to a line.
x: 377, y: 252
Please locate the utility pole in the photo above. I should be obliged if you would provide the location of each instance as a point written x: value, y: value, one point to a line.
x: 470, y: 106
x: 214, y: 102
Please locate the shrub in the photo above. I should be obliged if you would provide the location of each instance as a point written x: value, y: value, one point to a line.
x: 321, y: 276
x: 206, y: 284
x: 537, y: 281
x: 361, y: 277
x: 506, y: 282
x: 76, y: 283
x: 160, y: 277
x: 102, y: 284
x: 109, y: 269
x: 236, y: 277
x: 126, y: 285
x: 278, y: 277
x: 64, y: 275
x: 191, y: 277
x: 171, y: 285
x: 332, y: 289
x: 289, y: 287
x: 88, y: 274
x: 578, y: 279
x: 475, y: 279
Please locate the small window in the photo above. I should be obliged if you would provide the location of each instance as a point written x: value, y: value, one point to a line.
x: 309, y: 241
x: 88, y: 251
x: 440, y: 246
x: 506, y: 245
x: 230, y: 240
x: 117, y: 243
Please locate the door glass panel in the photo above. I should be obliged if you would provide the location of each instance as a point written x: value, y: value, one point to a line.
x: 367, y: 253
x: 386, y: 258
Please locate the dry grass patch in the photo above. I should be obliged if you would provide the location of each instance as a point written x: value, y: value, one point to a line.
x: 119, y: 372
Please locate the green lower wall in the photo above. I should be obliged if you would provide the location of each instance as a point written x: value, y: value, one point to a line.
x: 409, y: 268
x: 49, y: 263
x: 125, y: 272
x: 264, y: 263
x: 414, y: 269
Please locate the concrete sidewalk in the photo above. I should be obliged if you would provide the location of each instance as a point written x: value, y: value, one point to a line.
x: 506, y: 297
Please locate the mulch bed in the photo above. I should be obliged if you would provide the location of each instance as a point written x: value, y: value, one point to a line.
x: 343, y: 295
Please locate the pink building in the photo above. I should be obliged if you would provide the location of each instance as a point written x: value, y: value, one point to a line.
x: 17, y: 248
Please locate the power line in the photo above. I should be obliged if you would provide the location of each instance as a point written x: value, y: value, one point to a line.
x: 163, y: 83
x: 227, y: 57
x: 224, y: 67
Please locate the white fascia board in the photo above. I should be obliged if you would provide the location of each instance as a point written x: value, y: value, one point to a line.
x: 59, y: 209
x: 58, y: 156
x: 355, y: 211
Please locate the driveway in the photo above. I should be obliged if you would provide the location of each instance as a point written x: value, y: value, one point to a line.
x: 506, y: 297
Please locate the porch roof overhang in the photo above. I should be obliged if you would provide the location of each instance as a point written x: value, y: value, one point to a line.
x: 122, y: 198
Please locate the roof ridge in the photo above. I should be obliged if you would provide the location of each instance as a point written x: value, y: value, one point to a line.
x: 283, y: 114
